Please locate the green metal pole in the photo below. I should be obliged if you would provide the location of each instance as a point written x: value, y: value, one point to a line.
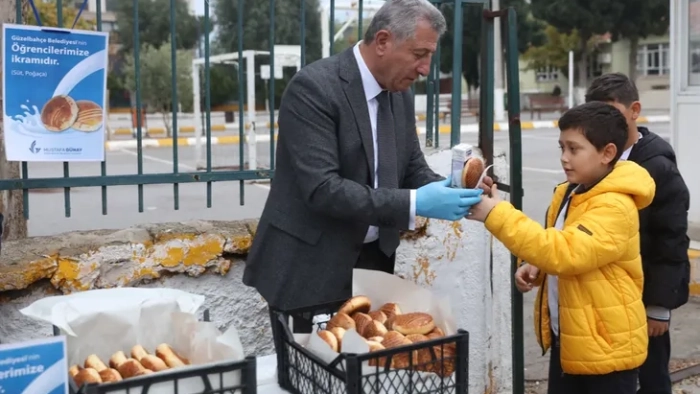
x: 456, y: 113
x: 272, y: 85
x: 139, y: 114
x: 302, y: 28
x: 241, y: 87
x: 25, y: 167
x: 516, y: 193
x: 207, y: 93
x: 360, y: 19
x: 174, y: 102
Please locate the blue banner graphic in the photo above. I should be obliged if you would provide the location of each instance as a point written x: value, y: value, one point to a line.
x: 35, y: 367
x: 54, y: 93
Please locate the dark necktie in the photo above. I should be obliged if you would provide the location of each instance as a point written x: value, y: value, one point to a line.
x: 386, y: 169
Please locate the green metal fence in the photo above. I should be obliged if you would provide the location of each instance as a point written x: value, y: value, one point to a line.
x: 209, y: 176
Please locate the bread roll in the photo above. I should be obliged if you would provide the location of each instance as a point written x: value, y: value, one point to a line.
x: 390, y: 309
x: 95, y: 363
x: 436, y: 333
x: 172, y: 359
x: 362, y: 320
x: 153, y: 363
x: 116, y: 359
x: 330, y: 339
x: 89, y: 117
x: 376, y: 339
x: 138, y: 352
x: 72, y: 371
x: 394, y: 339
x: 130, y: 368
x: 471, y: 173
x: 375, y: 329
x: 87, y: 375
x: 342, y: 320
x: 143, y: 372
x: 375, y: 346
x: 414, y: 323
x: 339, y: 334
x: 110, y: 375
x: 59, y: 113
x: 356, y: 304
x: 378, y: 316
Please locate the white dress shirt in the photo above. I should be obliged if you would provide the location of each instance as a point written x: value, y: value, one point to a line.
x: 372, y: 90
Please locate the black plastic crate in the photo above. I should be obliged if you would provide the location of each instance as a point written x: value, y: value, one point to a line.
x: 209, y: 379
x: 302, y: 372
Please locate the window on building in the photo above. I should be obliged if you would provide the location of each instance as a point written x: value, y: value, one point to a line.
x: 654, y: 59
x: 547, y: 74
x: 694, y: 43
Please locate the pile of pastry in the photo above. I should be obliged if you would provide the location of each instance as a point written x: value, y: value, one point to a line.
x: 386, y: 328
x: 120, y: 367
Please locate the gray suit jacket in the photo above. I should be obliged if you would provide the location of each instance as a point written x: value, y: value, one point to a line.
x: 321, y: 204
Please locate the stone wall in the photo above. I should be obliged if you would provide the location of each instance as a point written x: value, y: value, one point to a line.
x: 458, y: 260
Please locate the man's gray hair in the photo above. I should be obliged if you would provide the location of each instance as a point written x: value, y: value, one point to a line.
x: 400, y: 18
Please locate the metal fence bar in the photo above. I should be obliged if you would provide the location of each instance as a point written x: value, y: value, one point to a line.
x: 207, y: 94
x: 436, y: 99
x: 66, y: 165
x: 456, y: 112
x: 103, y: 164
x: 516, y: 193
x: 302, y: 29
x: 332, y: 27
x: 272, y: 85
x: 360, y: 19
x: 139, y: 120
x: 241, y: 123
x: 174, y: 102
x: 25, y: 167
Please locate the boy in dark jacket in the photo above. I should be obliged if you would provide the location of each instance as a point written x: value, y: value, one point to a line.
x: 663, y: 228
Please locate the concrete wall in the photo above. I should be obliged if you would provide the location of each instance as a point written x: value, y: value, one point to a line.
x: 207, y: 258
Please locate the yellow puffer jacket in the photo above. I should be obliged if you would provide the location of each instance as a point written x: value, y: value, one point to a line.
x: 597, y: 259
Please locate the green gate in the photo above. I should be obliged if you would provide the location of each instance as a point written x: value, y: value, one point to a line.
x: 209, y: 176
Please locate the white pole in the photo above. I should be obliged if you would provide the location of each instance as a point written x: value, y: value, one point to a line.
x: 571, y: 79
x: 499, y: 105
x: 250, y: 132
x: 197, y: 115
x: 325, y: 33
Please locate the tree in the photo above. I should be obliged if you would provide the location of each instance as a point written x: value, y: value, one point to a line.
x: 530, y: 32
x: 555, y: 52
x: 256, y: 32
x: 11, y: 203
x: 640, y: 19
x: 155, y: 79
x: 587, y: 17
x: 48, y: 12
x: 154, y: 24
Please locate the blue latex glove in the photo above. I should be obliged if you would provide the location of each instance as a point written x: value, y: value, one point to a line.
x: 438, y: 200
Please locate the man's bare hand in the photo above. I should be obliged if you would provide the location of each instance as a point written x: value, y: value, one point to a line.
x: 525, y: 277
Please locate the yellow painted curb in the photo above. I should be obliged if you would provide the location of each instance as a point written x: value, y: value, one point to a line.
x: 694, y: 256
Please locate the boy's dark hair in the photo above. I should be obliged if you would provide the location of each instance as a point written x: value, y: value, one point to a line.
x: 600, y: 123
x: 613, y: 87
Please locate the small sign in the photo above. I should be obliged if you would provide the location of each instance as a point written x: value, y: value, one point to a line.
x: 34, y: 367
x: 55, y: 93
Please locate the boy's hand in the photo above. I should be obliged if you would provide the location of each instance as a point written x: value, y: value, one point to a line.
x: 657, y: 328
x: 525, y: 276
x: 486, y: 184
x: 481, y: 210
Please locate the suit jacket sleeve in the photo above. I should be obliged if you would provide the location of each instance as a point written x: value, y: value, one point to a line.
x: 308, y: 130
x: 666, y: 262
x: 418, y: 172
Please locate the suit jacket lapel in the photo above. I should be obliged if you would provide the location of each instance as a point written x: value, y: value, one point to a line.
x: 355, y: 94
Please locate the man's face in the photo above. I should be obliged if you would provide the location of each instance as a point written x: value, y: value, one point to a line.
x: 403, y: 62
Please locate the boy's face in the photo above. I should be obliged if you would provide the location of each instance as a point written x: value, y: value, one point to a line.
x: 581, y: 161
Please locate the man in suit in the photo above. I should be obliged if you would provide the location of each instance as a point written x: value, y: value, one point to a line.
x: 350, y: 171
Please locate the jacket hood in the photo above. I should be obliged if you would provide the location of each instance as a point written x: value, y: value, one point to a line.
x: 626, y: 178
x: 651, y: 145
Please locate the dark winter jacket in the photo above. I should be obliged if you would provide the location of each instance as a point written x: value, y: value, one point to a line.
x: 663, y: 225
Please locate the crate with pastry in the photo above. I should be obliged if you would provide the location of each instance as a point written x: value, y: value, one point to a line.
x: 162, y: 371
x: 372, y: 348
x: 146, y: 341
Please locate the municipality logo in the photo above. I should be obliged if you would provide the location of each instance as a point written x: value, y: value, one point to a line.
x: 33, y: 148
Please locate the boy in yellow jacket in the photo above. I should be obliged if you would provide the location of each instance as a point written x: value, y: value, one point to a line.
x: 586, y: 261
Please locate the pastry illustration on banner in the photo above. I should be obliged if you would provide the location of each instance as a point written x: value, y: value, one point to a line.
x: 54, y: 93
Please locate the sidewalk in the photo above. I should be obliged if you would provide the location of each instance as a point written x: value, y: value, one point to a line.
x: 468, y: 127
